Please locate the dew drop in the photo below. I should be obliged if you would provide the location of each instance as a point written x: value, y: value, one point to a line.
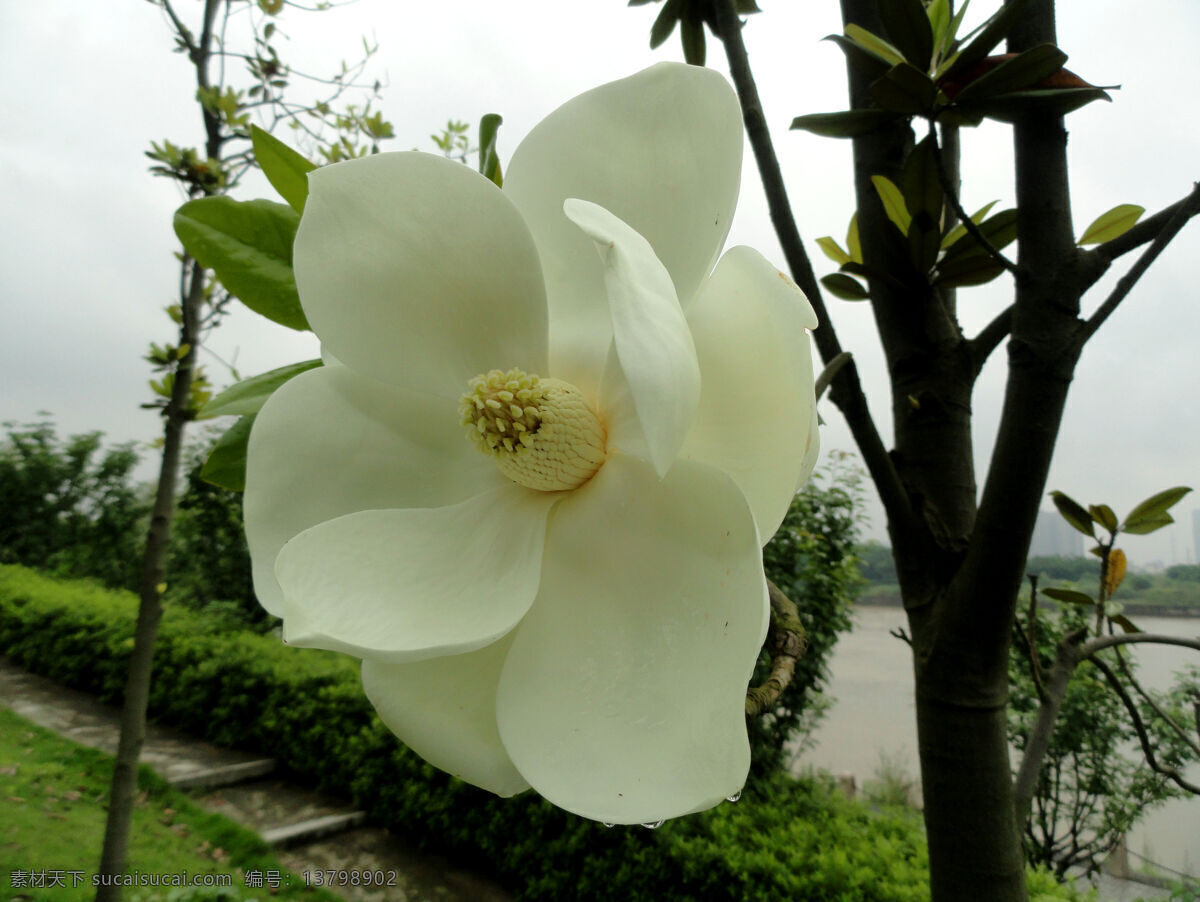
x: 733, y: 798
x: 653, y: 826
x: 610, y: 826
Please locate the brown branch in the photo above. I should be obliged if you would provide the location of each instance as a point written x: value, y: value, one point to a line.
x: 847, y: 392
x: 990, y: 336
x: 1154, y: 706
x: 1102, y: 642
x: 1173, y: 225
x: 787, y: 642
x: 1170, y: 773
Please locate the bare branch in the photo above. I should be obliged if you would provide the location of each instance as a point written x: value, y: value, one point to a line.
x: 1102, y: 642
x: 990, y: 336
x: 787, y: 643
x: 1185, y: 211
x: 1170, y: 773
x: 963, y: 218
x: 1154, y: 706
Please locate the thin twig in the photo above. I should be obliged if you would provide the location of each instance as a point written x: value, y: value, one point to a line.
x: 1154, y: 706
x: 1170, y: 773
x: 1125, y: 284
x: 901, y: 634
x: 1035, y: 657
x: 787, y: 642
x: 963, y: 218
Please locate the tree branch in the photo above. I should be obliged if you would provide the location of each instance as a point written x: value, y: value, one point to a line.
x: 1170, y: 228
x: 787, y: 642
x: 847, y: 392
x: 1144, y: 231
x: 963, y: 218
x: 990, y: 336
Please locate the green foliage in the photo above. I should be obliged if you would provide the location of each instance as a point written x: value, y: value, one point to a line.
x: 811, y: 558
x: 1075, y: 569
x: 1090, y: 792
x: 68, y: 507
x: 286, y: 169
x: 249, y: 395
x: 875, y: 563
x: 1184, y: 573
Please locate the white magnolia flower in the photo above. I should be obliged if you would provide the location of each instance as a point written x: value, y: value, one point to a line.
x: 579, y: 608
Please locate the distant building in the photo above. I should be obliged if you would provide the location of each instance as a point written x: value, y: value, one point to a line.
x: 1055, y: 537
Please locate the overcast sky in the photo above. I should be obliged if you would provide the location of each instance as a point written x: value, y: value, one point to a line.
x: 86, y: 244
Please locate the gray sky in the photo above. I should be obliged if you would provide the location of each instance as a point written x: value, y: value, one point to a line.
x: 86, y: 244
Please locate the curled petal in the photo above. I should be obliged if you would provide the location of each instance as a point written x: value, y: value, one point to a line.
x: 444, y: 709
x: 757, y: 414
x: 632, y: 147
x: 329, y: 443
x: 650, y: 335
x: 418, y: 271
x: 623, y: 698
x: 419, y: 583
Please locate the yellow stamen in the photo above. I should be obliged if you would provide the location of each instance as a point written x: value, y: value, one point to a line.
x: 541, y: 432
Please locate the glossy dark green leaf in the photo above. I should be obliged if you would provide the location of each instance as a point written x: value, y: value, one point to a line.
x: 847, y: 124
x: 904, y: 89
x: 965, y: 271
x: 907, y: 26
x: 489, y: 158
x: 868, y: 62
x: 845, y: 287
x: 993, y: 31
x: 249, y: 395
x: 1022, y: 71
x: 226, y: 463
x: 1070, y: 596
x: 248, y: 244
x: 665, y: 23
x: 285, y: 169
x: 1056, y: 101
x: 1153, y: 510
x: 692, y: 33
x: 1103, y: 514
x: 1074, y: 513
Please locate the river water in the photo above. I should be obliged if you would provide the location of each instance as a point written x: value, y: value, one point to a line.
x: 873, y: 720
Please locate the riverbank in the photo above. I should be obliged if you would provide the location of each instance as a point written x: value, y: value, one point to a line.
x: 1132, y: 607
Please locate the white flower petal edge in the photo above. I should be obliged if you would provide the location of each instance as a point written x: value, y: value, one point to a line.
x: 444, y: 709
x: 650, y: 333
x: 418, y: 271
x: 329, y: 443
x: 623, y: 698
x: 757, y: 409
x: 632, y: 147
x: 415, y: 583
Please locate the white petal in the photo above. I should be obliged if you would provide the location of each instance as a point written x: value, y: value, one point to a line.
x: 662, y: 150
x: 444, y: 709
x: 757, y: 414
x: 623, y: 698
x: 415, y: 583
x: 650, y: 334
x: 330, y: 443
x: 419, y: 271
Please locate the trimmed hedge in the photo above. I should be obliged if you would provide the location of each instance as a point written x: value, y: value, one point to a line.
x: 306, y: 709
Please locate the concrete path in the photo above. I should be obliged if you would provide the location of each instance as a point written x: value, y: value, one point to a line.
x: 310, y: 831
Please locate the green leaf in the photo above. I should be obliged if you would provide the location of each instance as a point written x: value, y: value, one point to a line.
x: 846, y: 124
x: 249, y: 395
x: 691, y: 31
x: 845, y: 287
x: 1074, y: 513
x: 1020, y: 72
x: 665, y: 23
x: 959, y: 230
x: 833, y: 250
x: 904, y: 89
x: 966, y: 270
x: 1125, y: 623
x: 993, y: 31
x: 853, y: 243
x: 226, y: 463
x: 873, y: 43
x: 923, y: 196
x: 285, y: 169
x: 1158, y: 503
x: 893, y: 202
x: 938, y: 12
x: 1070, y: 596
x: 1103, y: 514
x: 907, y: 24
x: 1148, y: 524
x: 999, y: 230
x: 248, y: 244
x: 1056, y: 101
x: 489, y: 159
x: 869, y: 63
x: 1117, y: 221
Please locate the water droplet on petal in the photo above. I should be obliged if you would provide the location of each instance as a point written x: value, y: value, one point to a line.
x: 610, y: 826
x: 733, y: 798
x: 653, y: 826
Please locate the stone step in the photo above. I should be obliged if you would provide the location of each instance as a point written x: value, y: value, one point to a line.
x: 225, y: 775
x: 313, y: 829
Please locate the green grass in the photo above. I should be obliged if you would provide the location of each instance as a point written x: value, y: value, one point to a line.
x: 52, y: 812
